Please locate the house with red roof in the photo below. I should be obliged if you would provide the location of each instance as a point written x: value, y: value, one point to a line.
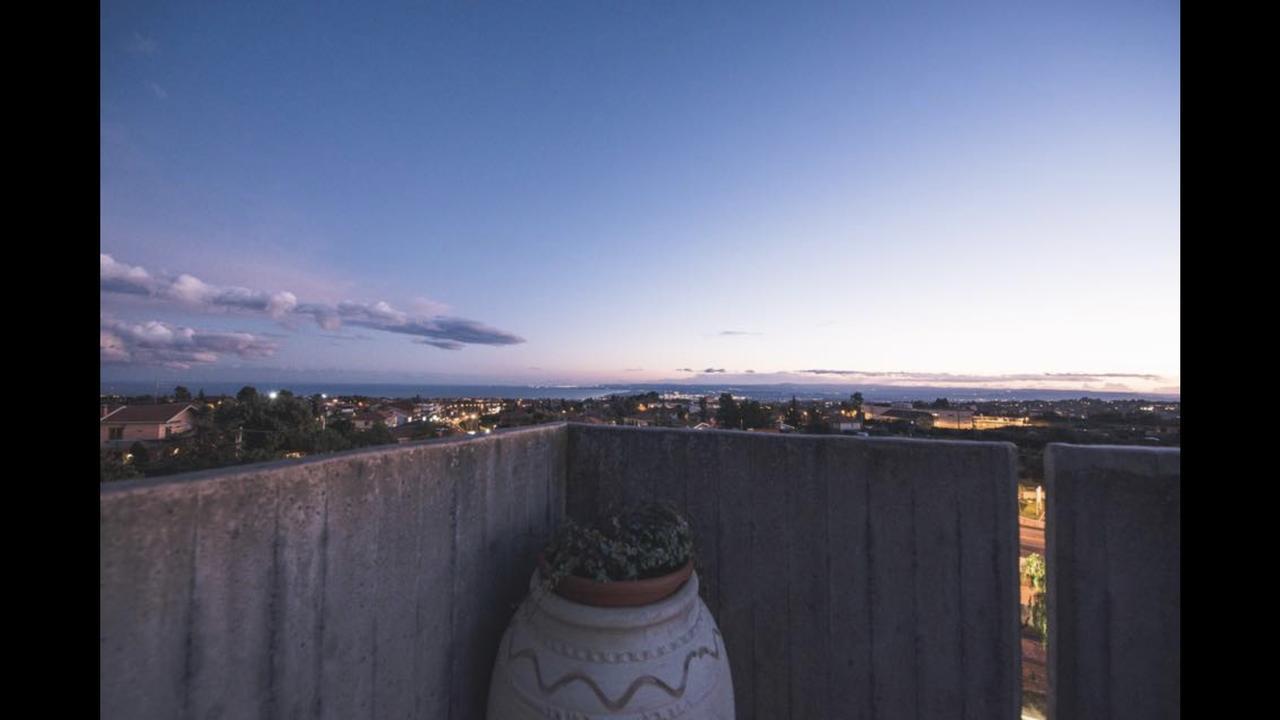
x: 132, y: 423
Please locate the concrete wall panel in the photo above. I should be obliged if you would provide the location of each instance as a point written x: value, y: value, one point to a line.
x: 855, y: 577
x: 1113, y: 539
x: 364, y: 584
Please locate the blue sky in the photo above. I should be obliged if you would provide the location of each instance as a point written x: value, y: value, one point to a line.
x: 596, y: 191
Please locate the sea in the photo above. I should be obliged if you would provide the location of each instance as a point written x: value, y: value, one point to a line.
x: 784, y: 391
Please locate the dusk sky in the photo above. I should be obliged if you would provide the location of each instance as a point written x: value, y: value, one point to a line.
x: 634, y: 191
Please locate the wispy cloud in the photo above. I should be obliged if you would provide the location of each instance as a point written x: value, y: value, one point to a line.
x: 138, y: 44
x: 160, y: 92
x: 442, y: 344
x: 159, y: 343
x: 439, y: 331
x: 713, y: 371
x: 735, y: 333
x: 958, y: 379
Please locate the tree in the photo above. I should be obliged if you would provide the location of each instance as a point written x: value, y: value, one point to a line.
x: 141, y: 456
x: 247, y: 393
x: 703, y: 414
x: 728, y: 416
x: 941, y: 404
x: 855, y: 401
x: 754, y: 415
x: 181, y: 393
x: 112, y: 467
x: 817, y: 424
x: 793, y: 416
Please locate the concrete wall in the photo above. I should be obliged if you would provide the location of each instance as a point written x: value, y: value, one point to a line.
x: 851, y: 577
x: 1114, y: 536
x: 369, y: 584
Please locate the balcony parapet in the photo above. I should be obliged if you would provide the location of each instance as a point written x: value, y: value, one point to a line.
x: 850, y: 577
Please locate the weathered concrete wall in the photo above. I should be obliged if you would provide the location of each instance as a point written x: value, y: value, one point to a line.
x: 851, y: 578
x: 370, y: 584
x: 1114, y: 542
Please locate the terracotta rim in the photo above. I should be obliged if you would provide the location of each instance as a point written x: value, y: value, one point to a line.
x: 622, y: 593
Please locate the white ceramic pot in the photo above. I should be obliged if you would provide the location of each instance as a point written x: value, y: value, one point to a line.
x: 559, y: 659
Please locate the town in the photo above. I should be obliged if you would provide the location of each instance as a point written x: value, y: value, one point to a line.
x: 144, y: 436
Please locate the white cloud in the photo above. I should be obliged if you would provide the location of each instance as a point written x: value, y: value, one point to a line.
x: 158, y: 343
x: 440, y: 331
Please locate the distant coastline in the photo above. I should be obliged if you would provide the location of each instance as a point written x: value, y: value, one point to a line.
x: 806, y: 391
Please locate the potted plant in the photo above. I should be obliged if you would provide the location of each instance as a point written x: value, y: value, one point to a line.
x: 613, y: 627
x: 626, y: 559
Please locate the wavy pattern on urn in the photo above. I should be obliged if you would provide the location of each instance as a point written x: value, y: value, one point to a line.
x: 602, y: 656
x: 621, y: 702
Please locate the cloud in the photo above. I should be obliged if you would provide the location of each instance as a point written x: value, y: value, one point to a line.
x: 734, y: 333
x: 160, y: 92
x: 118, y: 277
x: 714, y: 370
x: 749, y: 372
x: 440, y: 331
x: 427, y: 306
x: 324, y: 315
x: 950, y: 378
x: 121, y: 278
x: 139, y: 45
x: 689, y: 370
x: 442, y: 344
x: 455, y: 331
x: 159, y: 343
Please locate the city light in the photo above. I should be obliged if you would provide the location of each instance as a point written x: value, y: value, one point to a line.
x: 273, y: 394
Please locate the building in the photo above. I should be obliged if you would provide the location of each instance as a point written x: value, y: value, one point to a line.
x: 992, y: 422
x: 365, y: 420
x: 133, y: 423
x: 952, y: 418
x: 918, y: 418
x: 943, y: 418
x: 393, y: 416
x: 846, y: 426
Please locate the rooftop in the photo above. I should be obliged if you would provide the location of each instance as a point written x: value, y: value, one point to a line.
x: 146, y: 413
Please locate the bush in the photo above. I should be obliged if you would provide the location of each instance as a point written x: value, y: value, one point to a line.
x: 1034, y: 570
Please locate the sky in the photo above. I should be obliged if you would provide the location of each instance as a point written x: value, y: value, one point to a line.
x: 635, y: 191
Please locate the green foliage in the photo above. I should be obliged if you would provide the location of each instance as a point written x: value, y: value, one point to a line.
x: 112, y: 467
x: 644, y: 542
x: 754, y: 415
x: 728, y: 416
x: 1033, y: 569
x: 252, y: 428
x: 141, y: 456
